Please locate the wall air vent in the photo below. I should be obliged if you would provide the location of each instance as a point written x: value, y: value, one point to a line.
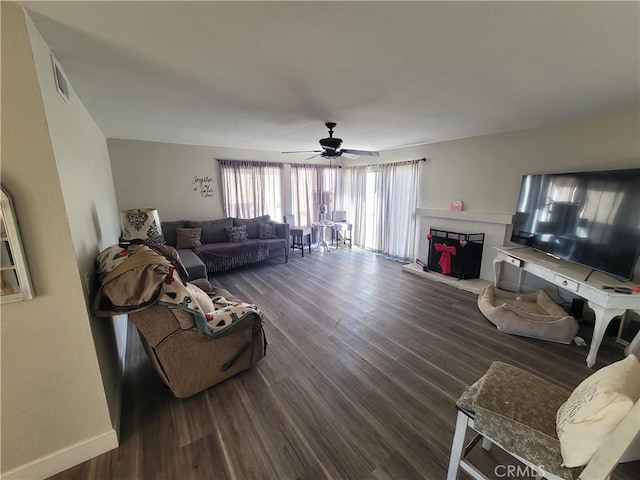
x: 62, y: 85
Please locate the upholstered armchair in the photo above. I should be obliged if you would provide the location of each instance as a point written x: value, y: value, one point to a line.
x: 194, y: 335
x: 187, y: 360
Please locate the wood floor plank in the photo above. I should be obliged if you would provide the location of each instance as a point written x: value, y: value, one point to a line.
x: 363, y: 368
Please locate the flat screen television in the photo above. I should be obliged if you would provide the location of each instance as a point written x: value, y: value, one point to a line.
x: 590, y: 218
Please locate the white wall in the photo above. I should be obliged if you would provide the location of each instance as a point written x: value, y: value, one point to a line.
x: 484, y: 172
x: 161, y: 176
x: 54, y: 407
x: 84, y: 172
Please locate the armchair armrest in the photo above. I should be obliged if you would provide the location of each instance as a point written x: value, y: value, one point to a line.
x: 282, y: 231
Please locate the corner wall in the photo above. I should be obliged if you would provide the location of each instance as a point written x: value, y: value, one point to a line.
x: 84, y: 171
x: 53, y: 406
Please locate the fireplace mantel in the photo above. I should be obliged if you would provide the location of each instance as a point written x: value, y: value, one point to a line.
x: 482, y: 217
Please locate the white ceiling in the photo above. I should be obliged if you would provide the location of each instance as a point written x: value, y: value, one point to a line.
x: 267, y: 75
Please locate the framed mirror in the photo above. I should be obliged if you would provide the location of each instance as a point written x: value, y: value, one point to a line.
x: 15, y: 282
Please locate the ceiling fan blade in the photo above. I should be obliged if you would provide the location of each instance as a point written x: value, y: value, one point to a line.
x: 349, y: 155
x: 304, y: 151
x: 314, y: 156
x: 363, y: 153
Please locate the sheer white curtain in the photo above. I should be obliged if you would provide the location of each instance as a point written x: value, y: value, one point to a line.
x: 395, y: 204
x: 352, y: 192
x: 312, y: 186
x: 252, y: 189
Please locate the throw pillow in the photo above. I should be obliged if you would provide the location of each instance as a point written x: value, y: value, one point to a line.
x: 266, y: 231
x: 252, y: 224
x: 188, y: 237
x: 237, y: 234
x: 595, y: 408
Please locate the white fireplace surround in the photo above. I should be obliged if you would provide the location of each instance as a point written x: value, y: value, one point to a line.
x: 495, y: 227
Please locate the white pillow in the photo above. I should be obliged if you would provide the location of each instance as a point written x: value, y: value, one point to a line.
x: 595, y: 408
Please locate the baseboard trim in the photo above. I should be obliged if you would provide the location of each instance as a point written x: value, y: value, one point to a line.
x: 67, y: 457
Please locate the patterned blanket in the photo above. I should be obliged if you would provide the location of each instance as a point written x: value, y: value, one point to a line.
x: 212, y: 315
x: 138, y: 276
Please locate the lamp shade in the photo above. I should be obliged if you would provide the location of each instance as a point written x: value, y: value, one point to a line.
x: 141, y: 224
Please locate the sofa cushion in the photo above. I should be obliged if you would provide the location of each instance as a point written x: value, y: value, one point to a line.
x: 194, y: 266
x: 252, y: 224
x: 169, y: 231
x: 213, y: 231
x: 266, y: 231
x: 237, y: 234
x: 188, y: 237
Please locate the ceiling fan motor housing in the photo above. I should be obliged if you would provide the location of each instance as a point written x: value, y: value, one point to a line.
x: 330, y: 142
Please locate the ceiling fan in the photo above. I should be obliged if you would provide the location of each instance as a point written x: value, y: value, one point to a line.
x: 331, y: 148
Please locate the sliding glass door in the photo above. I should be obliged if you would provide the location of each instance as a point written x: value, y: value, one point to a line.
x: 381, y: 201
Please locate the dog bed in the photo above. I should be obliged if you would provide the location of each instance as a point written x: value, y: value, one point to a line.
x: 527, y: 314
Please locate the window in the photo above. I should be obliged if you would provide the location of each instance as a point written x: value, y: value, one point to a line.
x: 252, y: 189
x: 312, y: 186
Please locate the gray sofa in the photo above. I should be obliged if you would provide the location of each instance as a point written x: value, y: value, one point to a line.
x: 217, y: 254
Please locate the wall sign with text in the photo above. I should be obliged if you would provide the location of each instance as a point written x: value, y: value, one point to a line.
x: 204, y: 186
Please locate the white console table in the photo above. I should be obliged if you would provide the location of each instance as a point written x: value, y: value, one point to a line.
x: 606, y: 304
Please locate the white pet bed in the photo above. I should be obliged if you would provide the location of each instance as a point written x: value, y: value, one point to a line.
x: 530, y: 315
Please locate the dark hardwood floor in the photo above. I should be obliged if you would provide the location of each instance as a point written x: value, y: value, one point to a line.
x: 363, y: 368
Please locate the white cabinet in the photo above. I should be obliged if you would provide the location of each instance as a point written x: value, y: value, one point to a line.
x: 14, y: 277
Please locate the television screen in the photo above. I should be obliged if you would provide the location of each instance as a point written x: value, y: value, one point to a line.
x: 591, y: 218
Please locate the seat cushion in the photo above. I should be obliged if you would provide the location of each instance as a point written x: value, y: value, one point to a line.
x: 508, y: 409
x: 276, y: 246
x: 192, y: 264
x: 299, y: 231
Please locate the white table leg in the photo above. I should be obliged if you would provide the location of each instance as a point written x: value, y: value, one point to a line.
x: 603, y: 318
x: 497, y: 263
x: 634, y: 346
x: 321, y: 238
x: 521, y: 273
